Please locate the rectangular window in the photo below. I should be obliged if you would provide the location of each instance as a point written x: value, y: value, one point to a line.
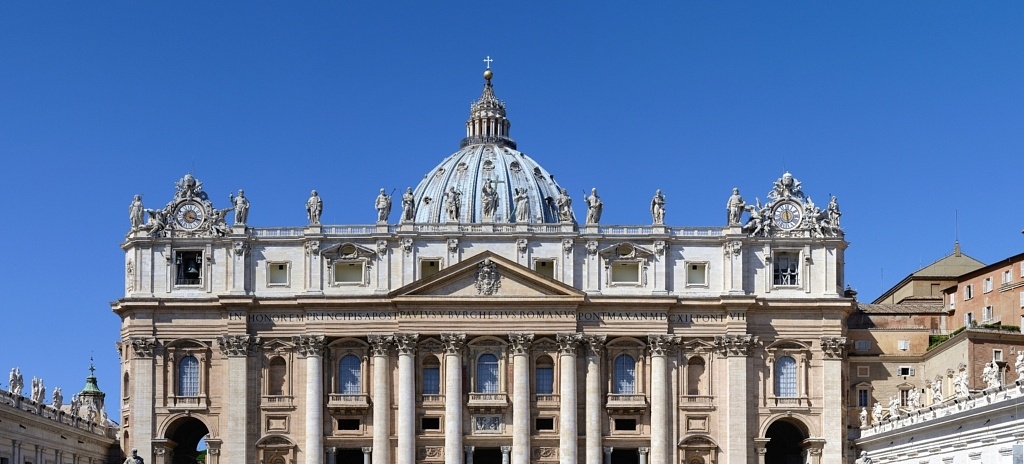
x: 1021, y: 294
x: 986, y: 285
x: 968, y: 292
x: 905, y: 371
x: 863, y: 371
x: 1007, y: 276
x: 997, y: 355
x: 430, y: 423
x: 189, y: 267
x: 625, y: 424
x: 904, y: 345
x: 348, y: 272
x: 862, y: 398
x: 862, y: 345
x: 968, y: 319
x: 987, y: 314
x: 431, y: 380
x: 429, y: 267
x: 545, y: 380
x: 786, y: 269
x: 697, y: 274
x: 348, y: 424
x: 904, y: 398
x: 545, y: 423
x: 545, y: 267
x: 952, y: 300
x: 625, y: 272
x: 277, y: 274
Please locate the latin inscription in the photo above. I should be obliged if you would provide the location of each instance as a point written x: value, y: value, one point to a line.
x: 391, y: 316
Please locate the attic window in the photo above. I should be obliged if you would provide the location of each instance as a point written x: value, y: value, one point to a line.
x: 429, y: 267
x: 348, y: 272
x: 545, y: 267
x: 697, y: 274
x: 189, y: 267
x: 625, y: 272
x: 277, y: 274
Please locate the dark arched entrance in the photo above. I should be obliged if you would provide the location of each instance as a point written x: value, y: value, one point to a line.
x: 184, y: 434
x: 784, y: 445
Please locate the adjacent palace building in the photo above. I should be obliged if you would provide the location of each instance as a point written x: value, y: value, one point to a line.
x: 485, y: 324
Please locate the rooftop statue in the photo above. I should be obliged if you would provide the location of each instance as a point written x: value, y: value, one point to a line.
x: 522, y: 205
x: 564, y: 206
x: 453, y: 204
x: 937, y: 391
x: 58, y: 398
x: 488, y: 199
x: 383, y: 206
x: 1019, y: 366
x: 17, y: 382
x: 136, y: 213
x: 786, y: 187
x: 241, y: 207
x: 408, y: 206
x: 735, y: 207
x: 594, y: 207
x: 658, y: 207
x: 314, y: 206
x: 991, y: 375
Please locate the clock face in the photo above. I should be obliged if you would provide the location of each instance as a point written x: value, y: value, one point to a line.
x: 189, y: 216
x: 786, y: 216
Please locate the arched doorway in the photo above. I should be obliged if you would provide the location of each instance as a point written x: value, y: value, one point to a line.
x: 184, y: 434
x: 784, y: 446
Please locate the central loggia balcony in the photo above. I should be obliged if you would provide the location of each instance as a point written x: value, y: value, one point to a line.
x: 626, y: 403
x: 488, y: 401
x: 348, y: 402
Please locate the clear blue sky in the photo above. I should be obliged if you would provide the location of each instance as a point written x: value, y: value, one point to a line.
x: 907, y: 111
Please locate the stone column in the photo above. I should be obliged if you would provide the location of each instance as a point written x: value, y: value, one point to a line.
x: 761, y: 447
x: 608, y: 454
x: 310, y: 347
x: 660, y: 346
x: 520, y: 344
x: 142, y: 394
x: 212, y: 454
x: 567, y: 432
x: 832, y: 427
x: 643, y: 454
x: 453, y: 450
x: 331, y: 456
x: 237, y: 348
x: 737, y: 349
x: 406, y: 345
x: 366, y: 454
x: 380, y: 346
x: 595, y: 407
x: 505, y: 450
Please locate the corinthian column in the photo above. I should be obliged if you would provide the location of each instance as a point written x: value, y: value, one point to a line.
x: 142, y: 394
x: 567, y: 431
x: 453, y: 450
x: 736, y: 349
x: 832, y: 418
x: 406, y: 345
x: 660, y: 346
x: 595, y: 347
x: 236, y: 348
x: 520, y: 396
x: 381, y: 449
x: 311, y: 347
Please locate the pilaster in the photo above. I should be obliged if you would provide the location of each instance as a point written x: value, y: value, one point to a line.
x: 142, y: 361
x: 832, y: 424
x: 237, y: 348
x: 737, y: 349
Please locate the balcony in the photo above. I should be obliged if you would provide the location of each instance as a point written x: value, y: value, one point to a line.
x: 430, y: 400
x: 696, y: 402
x: 276, y: 402
x: 626, y: 403
x: 493, y: 402
x: 546, y: 401
x: 344, y: 403
x: 187, y: 403
x: 788, y: 403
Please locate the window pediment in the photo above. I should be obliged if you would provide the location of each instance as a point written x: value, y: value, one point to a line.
x: 347, y: 251
x: 625, y: 251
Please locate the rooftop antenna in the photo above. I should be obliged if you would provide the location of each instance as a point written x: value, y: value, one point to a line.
x: 956, y: 232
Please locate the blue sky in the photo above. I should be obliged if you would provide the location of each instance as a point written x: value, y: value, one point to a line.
x: 911, y: 113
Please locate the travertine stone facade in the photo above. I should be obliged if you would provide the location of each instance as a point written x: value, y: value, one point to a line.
x: 487, y: 341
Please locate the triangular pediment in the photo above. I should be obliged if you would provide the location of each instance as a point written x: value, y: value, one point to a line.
x: 487, y: 276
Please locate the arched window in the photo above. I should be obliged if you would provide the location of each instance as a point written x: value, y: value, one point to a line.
x: 431, y: 376
x: 350, y: 375
x: 545, y: 376
x: 624, y: 381
x: 694, y: 376
x: 188, y: 376
x: 487, y: 374
x: 125, y: 392
x: 275, y: 376
x: 785, y: 376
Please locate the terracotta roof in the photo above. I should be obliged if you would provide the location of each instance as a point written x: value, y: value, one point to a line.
x: 904, y: 308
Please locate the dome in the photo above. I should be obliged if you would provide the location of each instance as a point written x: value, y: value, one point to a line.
x: 487, y: 178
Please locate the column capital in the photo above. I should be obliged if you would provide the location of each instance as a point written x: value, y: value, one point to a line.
x: 238, y: 345
x: 736, y: 345
x: 833, y: 347
x: 506, y: 449
x: 567, y: 343
x: 468, y: 449
x: 143, y: 347
x: 661, y: 344
x: 367, y: 449
x: 380, y: 344
x: 594, y: 344
x: 453, y: 342
x: 309, y: 345
x: 406, y: 342
x: 609, y: 449
x: 520, y: 342
x: 643, y: 450
x: 213, y: 451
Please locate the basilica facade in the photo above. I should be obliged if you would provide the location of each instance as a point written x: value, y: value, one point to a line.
x: 483, y: 322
